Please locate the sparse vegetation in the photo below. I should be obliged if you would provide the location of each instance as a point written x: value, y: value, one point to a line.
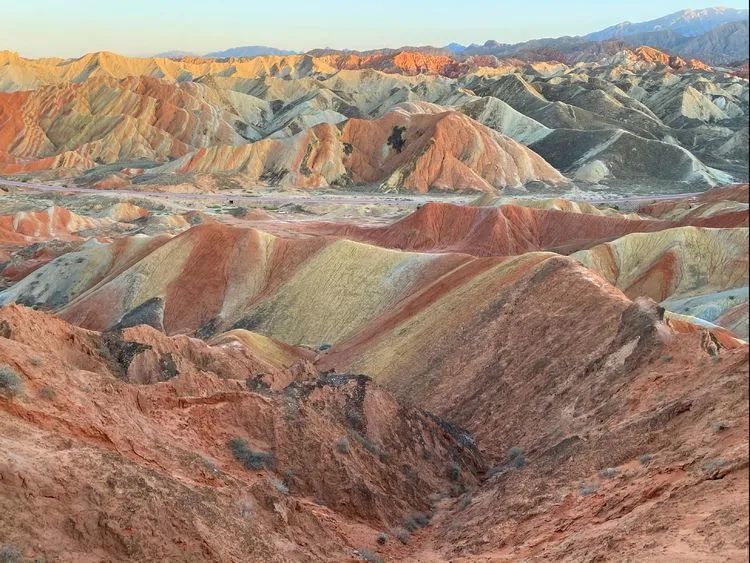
x: 9, y: 554
x: 47, y: 393
x: 454, y: 471
x: 257, y: 385
x: 415, y: 521
x: 288, y: 478
x: 515, y: 457
x: 249, y: 458
x: 382, y: 538
x: 465, y: 501
x: 711, y: 468
x: 496, y: 470
x: 368, y: 444
x: 665, y: 359
x: 369, y: 556
x: 246, y: 510
x: 719, y: 425
x: 342, y: 446
x: 645, y: 459
x: 401, y: 535
x: 608, y: 472
x: 410, y: 474
x: 279, y: 485
x: 587, y: 489
x: 10, y: 382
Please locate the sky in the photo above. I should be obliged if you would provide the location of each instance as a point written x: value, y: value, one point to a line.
x: 70, y: 28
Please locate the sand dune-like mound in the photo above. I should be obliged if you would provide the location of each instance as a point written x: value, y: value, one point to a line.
x: 594, y: 156
x: 673, y: 261
x: 248, y: 279
x: 312, y: 158
x: 447, y: 151
x: 54, y: 222
x: 691, y: 270
x: 215, y: 277
x: 420, y: 152
x: 730, y: 202
x: 613, y: 120
x: 104, y: 120
x: 507, y: 229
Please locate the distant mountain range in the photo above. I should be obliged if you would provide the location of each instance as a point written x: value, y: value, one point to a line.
x: 249, y: 51
x: 714, y: 35
x: 718, y: 36
x: 689, y: 23
x: 246, y: 51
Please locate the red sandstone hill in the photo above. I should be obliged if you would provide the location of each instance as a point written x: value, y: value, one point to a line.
x: 619, y: 430
x: 445, y: 151
x: 324, y: 459
x: 514, y: 229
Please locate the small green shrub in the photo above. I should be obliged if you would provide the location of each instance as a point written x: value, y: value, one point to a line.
x: 454, y: 471
x: 587, y: 489
x: 10, y: 382
x: 719, y: 425
x: 518, y: 462
x: 645, y: 459
x: 369, y: 556
x: 249, y: 458
x: 342, y: 446
x: 465, y: 501
x: 279, y: 485
x: 401, y: 535
x: 382, y: 539
x: 10, y: 554
x: 415, y: 521
x: 608, y: 472
x: 516, y: 458
x: 47, y: 393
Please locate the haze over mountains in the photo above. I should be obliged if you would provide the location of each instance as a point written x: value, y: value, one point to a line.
x: 246, y: 51
x: 714, y: 35
x: 597, y: 114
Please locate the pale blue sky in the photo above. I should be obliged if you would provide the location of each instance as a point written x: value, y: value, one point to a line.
x: 68, y: 28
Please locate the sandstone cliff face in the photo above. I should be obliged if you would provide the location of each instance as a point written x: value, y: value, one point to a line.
x: 324, y: 457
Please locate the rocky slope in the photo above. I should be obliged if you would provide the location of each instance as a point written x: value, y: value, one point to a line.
x: 314, y: 470
x: 308, y: 390
x: 639, y: 446
x: 305, y: 264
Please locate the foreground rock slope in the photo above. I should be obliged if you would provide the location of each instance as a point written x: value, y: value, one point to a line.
x: 541, y: 380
